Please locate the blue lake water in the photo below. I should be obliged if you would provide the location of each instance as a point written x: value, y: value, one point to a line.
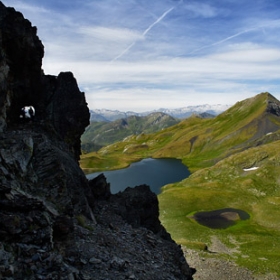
x: 153, y: 172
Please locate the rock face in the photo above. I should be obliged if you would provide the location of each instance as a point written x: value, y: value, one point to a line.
x: 273, y: 106
x: 57, y: 100
x: 54, y: 224
x: 20, y: 65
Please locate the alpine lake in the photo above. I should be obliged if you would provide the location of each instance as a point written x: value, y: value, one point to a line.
x: 152, y: 172
x: 157, y: 173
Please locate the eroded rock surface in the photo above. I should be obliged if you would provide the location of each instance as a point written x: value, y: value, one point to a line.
x: 54, y: 224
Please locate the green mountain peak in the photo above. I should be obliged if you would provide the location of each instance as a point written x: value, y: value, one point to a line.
x: 201, y: 142
x: 234, y: 161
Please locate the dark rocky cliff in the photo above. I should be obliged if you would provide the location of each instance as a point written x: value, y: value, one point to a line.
x: 54, y: 224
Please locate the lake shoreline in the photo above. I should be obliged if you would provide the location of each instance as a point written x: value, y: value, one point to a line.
x: 154, y: 172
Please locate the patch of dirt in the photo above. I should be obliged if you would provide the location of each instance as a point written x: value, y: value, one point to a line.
x: 231, y: 216
x: 217, y: 246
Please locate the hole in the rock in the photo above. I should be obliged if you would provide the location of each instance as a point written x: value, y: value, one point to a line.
x: 27, y: 113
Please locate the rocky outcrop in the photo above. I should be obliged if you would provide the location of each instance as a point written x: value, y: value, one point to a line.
x: 64, y: 106
x: 20, y: 65
x: 54, y: 224
x: 57, y: 100
x: 139, y: 207
x: 273, y: 105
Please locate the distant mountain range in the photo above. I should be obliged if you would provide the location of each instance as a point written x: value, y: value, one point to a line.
x: 108, y: 126
x: 234, y: 160
x: 103, y: 132
x: 180, y: 113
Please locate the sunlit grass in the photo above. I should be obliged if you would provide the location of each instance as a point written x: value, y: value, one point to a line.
x: 227, y: 185
x: 216, y: 151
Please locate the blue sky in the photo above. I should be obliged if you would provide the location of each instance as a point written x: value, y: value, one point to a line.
x: 142, y: 55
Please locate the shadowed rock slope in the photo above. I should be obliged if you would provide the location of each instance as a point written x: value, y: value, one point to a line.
x: 54, y: 224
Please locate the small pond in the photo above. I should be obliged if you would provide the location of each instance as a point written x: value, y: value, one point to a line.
x: 153, y: 172
x: 220, y: 219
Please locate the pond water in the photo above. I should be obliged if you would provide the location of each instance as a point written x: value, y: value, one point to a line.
x: 153, y: 172
x: 220, y: 219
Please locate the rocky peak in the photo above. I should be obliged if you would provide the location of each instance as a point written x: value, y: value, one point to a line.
x: 57, y: 100
x: 64, y: 106
x: 20, y: 65
x: 54, y: 224
x: 273, y: 105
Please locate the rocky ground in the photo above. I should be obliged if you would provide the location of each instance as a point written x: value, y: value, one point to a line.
x: 54, y: 223
x: 210, y: 266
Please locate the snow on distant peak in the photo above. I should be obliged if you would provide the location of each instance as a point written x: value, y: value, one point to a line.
x: 185, y: 112
x: 180, y: 113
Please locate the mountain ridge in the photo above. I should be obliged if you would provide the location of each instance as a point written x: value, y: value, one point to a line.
x: 229, y: 132
x: 103, y: 133
x: 181, y: 113
x: 234, y: 163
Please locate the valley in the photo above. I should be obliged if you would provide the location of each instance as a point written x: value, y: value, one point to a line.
x: 234, y: 161
x: 105, y: 132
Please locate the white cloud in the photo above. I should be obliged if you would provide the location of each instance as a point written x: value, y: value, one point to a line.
x: 202, y: 9
x: 109, y: 34
x: 132, y: 99
x: 164, y: 83
x: 24, y: 7
x: 139, y: 54
x: 256, y: 56
x: 240, y: 64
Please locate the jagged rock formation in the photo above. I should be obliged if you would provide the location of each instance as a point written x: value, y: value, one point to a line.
x: 54, y: 224
x: 57, y: 99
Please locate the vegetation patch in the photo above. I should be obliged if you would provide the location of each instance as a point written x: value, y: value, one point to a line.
x: 235, y: 163
x: 226, y: 184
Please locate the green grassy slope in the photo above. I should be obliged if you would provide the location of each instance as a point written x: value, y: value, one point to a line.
x: 199, y: 142
x: 217, y: 151
x: 99, y: 134
x: 224, y: 185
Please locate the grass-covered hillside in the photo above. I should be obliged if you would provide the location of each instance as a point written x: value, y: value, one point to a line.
x: 103, y: 133
x: 235, y: 163
x: 197, y: 141
x: 253, y: 243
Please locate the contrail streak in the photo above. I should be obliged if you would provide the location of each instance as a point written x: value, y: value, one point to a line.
x: 226, y: 39
x: 125, y: 51
x: 144, y: 33
x: 157, y: 21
